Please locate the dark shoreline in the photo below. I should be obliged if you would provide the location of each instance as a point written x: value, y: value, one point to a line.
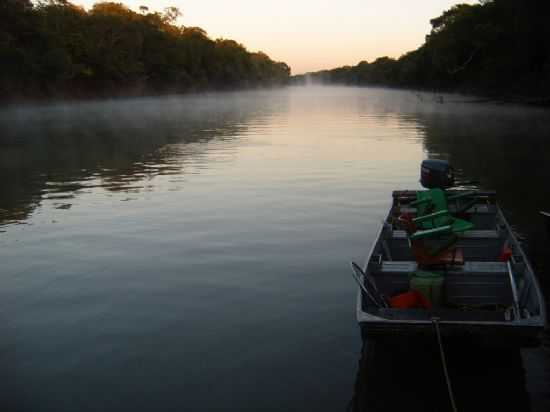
x: 126, y: 94
x: 477, y: 96
x: 497, y: 50
x: 56, y: 50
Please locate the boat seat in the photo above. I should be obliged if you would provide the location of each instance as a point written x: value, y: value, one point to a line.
x: 481, y: 283
x: 485, y: 267
x: 474, y: 283
x: 467, y: 268
x: 398, y: 267
x: 477, y: 208
x: 443, y: 253
x: 471, y: 234
x: 429, y: 201
x: 452, y: 256
x: 442, y: 219
x: 433, y: 210
x: 443, y: 314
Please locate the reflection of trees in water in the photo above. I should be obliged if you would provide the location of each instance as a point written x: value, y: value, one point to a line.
x: 506, y: 149
x: 57, y: 151
x: 408, y: 377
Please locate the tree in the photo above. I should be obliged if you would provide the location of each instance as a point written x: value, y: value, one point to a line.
x: 171, y: 14
x: 55, y: 47
x: 495, y: 46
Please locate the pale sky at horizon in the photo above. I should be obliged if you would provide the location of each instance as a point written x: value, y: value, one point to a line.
x: 310, y: 35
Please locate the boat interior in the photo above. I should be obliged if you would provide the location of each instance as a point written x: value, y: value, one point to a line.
x: 483, y: 278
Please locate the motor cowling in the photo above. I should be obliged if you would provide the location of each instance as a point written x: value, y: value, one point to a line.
x: 436, y: 173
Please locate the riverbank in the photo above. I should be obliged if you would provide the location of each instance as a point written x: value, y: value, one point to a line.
x: 498, y: 49
x: 58, y: 50
x: 88, y: 96
x: 437, y: 96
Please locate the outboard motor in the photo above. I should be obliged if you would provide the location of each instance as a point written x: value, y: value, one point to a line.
x: 436, y: 173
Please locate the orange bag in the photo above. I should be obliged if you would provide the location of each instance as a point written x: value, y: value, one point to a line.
x: 410, y: 299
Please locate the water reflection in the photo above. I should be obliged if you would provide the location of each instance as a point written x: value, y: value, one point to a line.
x: 221, y: 282
x: 58, y: 151
x: 408, y: 376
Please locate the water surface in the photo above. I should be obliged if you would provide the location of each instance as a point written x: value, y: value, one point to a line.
x: 191, y: 253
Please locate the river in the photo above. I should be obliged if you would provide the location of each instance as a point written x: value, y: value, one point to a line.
x: 191, y: 252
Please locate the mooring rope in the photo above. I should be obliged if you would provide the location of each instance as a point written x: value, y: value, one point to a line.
x: 435, y: 321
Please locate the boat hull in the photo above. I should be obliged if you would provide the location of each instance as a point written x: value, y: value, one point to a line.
x: 484, y: 330
x: 481, y: 334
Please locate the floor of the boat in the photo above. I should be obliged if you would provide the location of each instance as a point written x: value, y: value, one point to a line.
x: 444, y: 314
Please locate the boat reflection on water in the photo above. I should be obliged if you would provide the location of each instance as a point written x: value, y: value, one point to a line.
x: 408, y: 376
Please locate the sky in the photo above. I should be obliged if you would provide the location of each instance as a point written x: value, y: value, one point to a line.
x: 310, y: 35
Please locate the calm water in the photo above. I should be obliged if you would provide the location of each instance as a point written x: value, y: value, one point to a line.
x: 191, y: 253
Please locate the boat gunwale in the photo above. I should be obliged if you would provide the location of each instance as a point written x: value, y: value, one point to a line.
x: 529, y: 269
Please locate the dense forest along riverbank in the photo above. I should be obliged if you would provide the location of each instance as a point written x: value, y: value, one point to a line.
x: 495, y: 48
x: 56, y: 49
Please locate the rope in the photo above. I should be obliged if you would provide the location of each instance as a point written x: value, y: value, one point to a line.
x: 435, y: 321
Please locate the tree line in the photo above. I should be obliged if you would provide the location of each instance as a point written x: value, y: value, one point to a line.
x: 499, y: 47
x: 55, y: 48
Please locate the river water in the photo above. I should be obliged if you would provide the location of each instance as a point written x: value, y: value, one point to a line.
x: 191, y: 253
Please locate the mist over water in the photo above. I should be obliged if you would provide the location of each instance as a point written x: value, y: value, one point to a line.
x: 191, y: 252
